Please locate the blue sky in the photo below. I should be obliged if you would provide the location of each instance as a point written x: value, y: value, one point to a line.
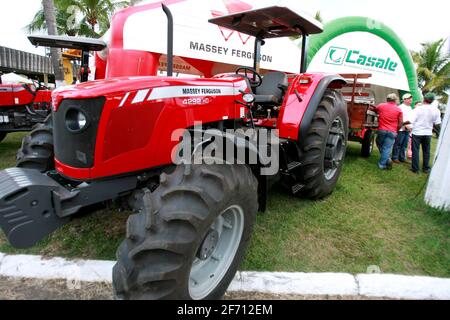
x: 414, y: 21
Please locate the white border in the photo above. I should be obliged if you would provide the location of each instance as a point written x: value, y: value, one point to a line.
x: 336, y: 284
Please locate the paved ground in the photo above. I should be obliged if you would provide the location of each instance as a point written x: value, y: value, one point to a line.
x: 32, y: 289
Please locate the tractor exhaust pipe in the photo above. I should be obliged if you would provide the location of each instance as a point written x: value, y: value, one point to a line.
x: 169, y: 39
x: 304, y: 61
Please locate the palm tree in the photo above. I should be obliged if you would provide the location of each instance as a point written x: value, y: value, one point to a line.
x: 92, y: 21
x: 318, y: 16
x: 63, y: 17
x: 49, y: 14
x: 98, y: 13
x: 433, y: 69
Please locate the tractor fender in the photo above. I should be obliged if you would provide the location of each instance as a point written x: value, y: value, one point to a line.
x: 326, y: 82
x: 251, y: 151
x: 239, y: 141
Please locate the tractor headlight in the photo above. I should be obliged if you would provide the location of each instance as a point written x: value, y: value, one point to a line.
x: 76, y: 120
x: 82, y: 121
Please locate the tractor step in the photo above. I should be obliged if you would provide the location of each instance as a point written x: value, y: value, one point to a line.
x: 296, y: 188
x: 291, y: 166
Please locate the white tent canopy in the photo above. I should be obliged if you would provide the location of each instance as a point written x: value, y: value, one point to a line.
x: 13, y: 78
x: 195, y: 37
x: 438, y: 190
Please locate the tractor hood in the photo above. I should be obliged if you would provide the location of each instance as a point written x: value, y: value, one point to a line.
x: 116, y: 88
x: 127, y: 119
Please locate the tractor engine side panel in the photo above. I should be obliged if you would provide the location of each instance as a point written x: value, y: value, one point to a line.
x: 139, y: 136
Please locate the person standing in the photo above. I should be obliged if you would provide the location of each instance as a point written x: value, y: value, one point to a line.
x: 423, y: 118
x: 401, y: 142
x: 390, y: 120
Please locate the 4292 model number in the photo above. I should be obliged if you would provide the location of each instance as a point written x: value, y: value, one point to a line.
x: 195, y: 101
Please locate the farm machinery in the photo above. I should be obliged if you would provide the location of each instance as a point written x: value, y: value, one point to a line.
x: 363, y: 122
x: 112, y: 141
x: 22, y: 106
x: 25, y: 103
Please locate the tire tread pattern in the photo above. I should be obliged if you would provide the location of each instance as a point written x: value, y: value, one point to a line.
x: 37, y: 149
x: 311, y: 171
x: 155, y: 263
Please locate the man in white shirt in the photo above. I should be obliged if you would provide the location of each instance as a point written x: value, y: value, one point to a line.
x: 401, y: 142
x: 423, y: 118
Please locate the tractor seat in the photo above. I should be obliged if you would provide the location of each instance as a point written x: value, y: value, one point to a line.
x: 272, y: 89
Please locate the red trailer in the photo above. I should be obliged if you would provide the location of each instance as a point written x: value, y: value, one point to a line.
x: 363, y: 122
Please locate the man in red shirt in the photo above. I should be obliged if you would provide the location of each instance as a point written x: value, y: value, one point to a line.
x: 390, y: 120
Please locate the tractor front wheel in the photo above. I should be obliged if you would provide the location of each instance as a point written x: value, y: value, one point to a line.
x: 189, y: 243
x: 324, y: 147
x: 36, y: 151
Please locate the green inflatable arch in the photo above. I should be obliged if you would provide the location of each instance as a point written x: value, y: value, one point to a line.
x: 341, y: 26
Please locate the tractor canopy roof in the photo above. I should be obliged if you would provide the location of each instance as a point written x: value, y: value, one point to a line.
x: 269, y: 22
x: 80, y: 43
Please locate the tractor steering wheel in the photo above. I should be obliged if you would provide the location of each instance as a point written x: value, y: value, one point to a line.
x: 255, y: 80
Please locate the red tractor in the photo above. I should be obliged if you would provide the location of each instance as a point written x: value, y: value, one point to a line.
x: 22, y: 106
x: 113, y: 141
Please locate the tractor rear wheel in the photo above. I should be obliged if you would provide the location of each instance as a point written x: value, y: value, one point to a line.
x: 3, y: 135
x: 367, y: 144
x: 324, y: 147
x: 190, y: 242
x: 36, y: 151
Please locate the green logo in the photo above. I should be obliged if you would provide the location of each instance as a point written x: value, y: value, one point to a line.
x: 336, y: 56
x: 339, y: 56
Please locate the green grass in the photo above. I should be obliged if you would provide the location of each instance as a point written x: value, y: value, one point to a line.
x: 373, y: 218
x: 8, y: 149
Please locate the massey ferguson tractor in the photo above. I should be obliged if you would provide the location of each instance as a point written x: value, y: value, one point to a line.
x: 111, y: 141
x: 22, y: 106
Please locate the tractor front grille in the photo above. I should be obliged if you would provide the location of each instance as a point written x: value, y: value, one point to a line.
x: 76, y: 149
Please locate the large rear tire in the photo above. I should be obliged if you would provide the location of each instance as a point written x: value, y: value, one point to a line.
x: 3, y: 135
x: 192, y: 240
x: 36, y: 151
x: 324, y: 147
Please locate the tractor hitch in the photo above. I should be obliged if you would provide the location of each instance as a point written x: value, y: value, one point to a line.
x: 33, y: 205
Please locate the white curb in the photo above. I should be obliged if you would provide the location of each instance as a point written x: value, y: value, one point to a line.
x: 406, y: 287
x: 342, y: 284
x: 295, y: 283
x: 28, y: 266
